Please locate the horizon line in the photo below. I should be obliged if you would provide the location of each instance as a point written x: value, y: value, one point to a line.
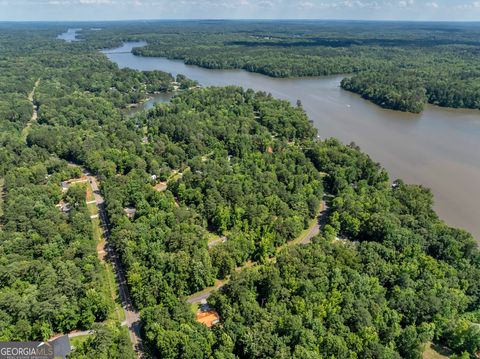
x: 238, y: 19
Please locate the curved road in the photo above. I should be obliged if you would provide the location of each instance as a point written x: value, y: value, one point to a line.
x: 318, y: 225
x: 312, y: 232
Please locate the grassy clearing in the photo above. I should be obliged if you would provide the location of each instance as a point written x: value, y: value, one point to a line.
x: 92, y: 209
x: 211, y: 237
x: 195, y: 307
x: 108, y: 277
x: 248, y: 264
x: 433, y: 351
x: 97, y: 230
x: 108, y: 284
x: 176, y: 175
x: 207, y: 156
x: 118, y: 313
x: 89, y: 196
x: 78, y: 341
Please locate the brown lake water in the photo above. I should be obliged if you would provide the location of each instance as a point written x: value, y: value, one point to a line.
x: 439, y: 148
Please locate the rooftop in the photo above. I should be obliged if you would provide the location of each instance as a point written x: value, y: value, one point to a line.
x: 208, y: 318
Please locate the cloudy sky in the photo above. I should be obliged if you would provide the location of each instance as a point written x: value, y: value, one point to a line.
x: 242, y: 9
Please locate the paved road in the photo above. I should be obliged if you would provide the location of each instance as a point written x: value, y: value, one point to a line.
x: 132, y: 316
x: 31, y: 96
x: 201, y: 296
x: 313, y: 231
x: 321, y: 221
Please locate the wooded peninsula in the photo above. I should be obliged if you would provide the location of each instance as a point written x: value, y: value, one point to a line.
x: 400, y: 66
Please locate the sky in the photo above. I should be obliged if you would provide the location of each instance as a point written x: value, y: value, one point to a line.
x: 39, y: 10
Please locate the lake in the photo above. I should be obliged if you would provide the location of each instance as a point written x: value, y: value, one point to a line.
x: 69, y: 36
x: 439, y: 148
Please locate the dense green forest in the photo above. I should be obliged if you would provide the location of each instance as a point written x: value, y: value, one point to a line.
x: 239, y: 177
x: 108, y: 341
x: 51, y: 279
x: 384, y: 277
x: 400, y: 66
x: 398, y: 278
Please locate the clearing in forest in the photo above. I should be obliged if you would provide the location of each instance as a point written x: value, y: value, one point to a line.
x: 434, y: 351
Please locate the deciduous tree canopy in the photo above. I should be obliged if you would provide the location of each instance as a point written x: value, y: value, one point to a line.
x: 226, y: 166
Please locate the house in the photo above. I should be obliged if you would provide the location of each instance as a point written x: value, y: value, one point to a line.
x: 64, y: 206
x: 208, y: 318
x: 207, y: 315
x: 130, y: 211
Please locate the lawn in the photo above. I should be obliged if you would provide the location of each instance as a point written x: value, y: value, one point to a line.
x: 433, y: 351
x: 78, y: 341
x: 97, y: 230
x: 108, y: 278
x: 118, y: 313
x: 89, y: 196
x: 195, y: 307
x: 92, y: 209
